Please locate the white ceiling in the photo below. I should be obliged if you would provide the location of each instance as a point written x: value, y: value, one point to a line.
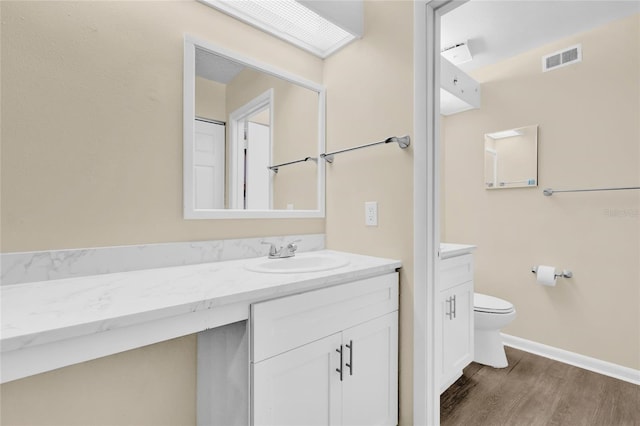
x: 499, y: 29
x: 495, y: 29
x: 216, y: 68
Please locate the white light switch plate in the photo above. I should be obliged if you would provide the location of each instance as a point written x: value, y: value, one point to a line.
x: 371, y: 213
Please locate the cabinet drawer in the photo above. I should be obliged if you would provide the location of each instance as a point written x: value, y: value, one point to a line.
x: 283, y: 324
x: 455, y: 270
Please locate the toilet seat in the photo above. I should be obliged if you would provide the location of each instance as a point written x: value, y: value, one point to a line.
x: 490, y: 304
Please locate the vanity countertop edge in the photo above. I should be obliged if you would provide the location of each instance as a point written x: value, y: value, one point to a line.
x: 44, y: 315
x: 449, y: 250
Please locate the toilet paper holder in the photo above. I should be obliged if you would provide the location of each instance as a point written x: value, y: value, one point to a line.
x: 565, y: 273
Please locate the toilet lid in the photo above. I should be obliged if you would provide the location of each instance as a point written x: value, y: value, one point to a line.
x: 485, y: 303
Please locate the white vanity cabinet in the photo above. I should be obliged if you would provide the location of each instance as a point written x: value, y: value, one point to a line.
x: 266, y: 342
x: 456, y: 306
x: 327, y: 357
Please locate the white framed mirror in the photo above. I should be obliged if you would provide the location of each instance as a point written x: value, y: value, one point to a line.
x: 511, y: 158
x: 253, y: 135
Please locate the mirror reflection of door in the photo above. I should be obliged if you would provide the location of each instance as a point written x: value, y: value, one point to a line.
x: 208, y: 164
x: 511, y: 158
x: 238, y: 91
x: 491, y: 167
x: 250, y: 153
x: 257, y: 158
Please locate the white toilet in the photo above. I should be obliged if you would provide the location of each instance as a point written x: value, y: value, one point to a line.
x: 490, y: 315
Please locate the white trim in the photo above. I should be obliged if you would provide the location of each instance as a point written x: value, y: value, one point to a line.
x: 254, y: 214
x: 322, y: 102
x: 189, y: 211
x: 426, y: 208
x: 582, y: 361
x: 426, y: 395
x: 188, y: 127
x: 423, y: 327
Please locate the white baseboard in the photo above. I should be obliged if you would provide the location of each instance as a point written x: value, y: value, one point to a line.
x: 592, y: 364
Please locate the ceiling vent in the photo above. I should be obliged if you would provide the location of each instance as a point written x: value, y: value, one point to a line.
x: 562, y: 58
x: 458, y: 54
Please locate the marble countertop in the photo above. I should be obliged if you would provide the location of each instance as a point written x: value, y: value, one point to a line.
x: 448, y: 250
x: 49, y: 311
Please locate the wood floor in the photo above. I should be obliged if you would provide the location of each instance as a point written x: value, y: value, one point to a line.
x: 534, y: 390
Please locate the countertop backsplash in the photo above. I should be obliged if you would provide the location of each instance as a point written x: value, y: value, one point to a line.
x: 25, y: 267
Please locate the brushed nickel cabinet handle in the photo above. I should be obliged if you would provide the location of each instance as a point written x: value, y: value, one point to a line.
x: 350, y: 363
x: 453, y: 309
x: 339, y: 370
x: 455, y: 305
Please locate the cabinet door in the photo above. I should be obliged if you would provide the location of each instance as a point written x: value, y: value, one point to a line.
x: 299, y: 387
x: 370, y: 385
x: 457, y: 331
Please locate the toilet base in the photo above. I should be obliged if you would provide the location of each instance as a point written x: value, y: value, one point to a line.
x: 489, y: 349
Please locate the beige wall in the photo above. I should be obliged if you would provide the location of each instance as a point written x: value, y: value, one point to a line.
x: 370, y: 97
x: 153, y: 385
x: 113, y: 73
x: 210, y: 99
x: 92, y: 120
x: 589, y: 131
x: 295, y: 134
x: 92, y: 156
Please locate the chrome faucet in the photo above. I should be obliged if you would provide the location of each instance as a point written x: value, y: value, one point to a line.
x: 287, y: 251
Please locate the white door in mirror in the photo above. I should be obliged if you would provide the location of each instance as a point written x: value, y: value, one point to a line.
x: 208, y: 165
x: 257, y: 175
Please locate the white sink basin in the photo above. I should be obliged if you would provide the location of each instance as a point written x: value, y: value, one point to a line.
x: 299, y: 264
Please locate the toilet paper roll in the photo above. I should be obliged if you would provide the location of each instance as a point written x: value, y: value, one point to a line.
x: 546, y: 275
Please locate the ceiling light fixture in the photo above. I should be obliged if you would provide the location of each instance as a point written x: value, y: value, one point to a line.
x: 290, y: 21
x: 505, y: 134
x: 458, y: 54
